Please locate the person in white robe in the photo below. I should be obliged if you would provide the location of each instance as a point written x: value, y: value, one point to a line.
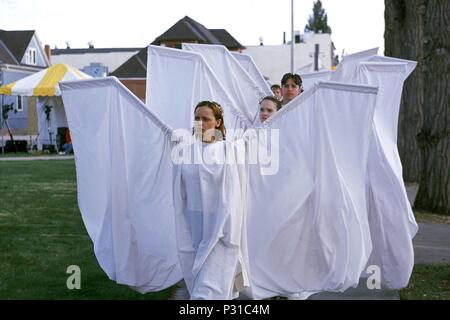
x: 209, y: 212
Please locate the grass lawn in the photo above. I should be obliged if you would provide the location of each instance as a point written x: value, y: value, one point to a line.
x: 428, y: 282
x: 42, y: 233
x: 27, y: 154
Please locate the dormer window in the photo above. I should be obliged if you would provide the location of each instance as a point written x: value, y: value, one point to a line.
x: 31, y: 57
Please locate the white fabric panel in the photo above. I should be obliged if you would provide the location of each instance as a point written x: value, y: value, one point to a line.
x: 177, y: 80
x: 393, y: 225
x: 345, y: 70
x: 124, y: 170
x: 410, y: 65
x: 310, y: 79
x: 307, y: 225
x: 250, y: 66
x: 245, y: 92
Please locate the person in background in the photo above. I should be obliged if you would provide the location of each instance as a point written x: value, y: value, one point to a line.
x: 276, y: 89
x: 291, y: 87
x: 268, y: 106
x: 67, y: 147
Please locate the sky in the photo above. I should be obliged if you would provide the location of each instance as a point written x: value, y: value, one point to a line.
x: 357, y: 25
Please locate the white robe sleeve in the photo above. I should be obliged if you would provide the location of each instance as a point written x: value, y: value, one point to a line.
x: 124, y: 181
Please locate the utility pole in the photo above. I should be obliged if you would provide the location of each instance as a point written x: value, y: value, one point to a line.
x: 292, y: 36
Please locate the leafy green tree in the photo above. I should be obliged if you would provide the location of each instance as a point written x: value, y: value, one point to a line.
x: 318, y: 21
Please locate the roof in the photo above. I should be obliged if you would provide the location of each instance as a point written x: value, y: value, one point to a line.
x: 92, y: 50
x: 184, y: 30
x: 5, y: 55
x: 135, y: 67
x: 187, y: 29
x: 226, y: 39
x: 17, y: 41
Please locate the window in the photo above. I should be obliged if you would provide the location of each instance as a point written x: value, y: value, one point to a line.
x: 19, y: 104
x: 31, y: 56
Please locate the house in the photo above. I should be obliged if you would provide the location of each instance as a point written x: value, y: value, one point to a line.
x: 133, y: 72
x: 21, y: 54
x: 96, y: 62
x: 311, y: 51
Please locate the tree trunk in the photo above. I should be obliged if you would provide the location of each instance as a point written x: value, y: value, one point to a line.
x: 403, y: 33
x: 434, y: 138
x: 418, y: 30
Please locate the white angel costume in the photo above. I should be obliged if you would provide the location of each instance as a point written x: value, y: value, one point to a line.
x: 294, y: 221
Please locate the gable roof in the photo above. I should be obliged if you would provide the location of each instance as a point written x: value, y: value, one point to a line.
x: 226, y: 39
x: 135, y: 67
x: 184, y: 30
x: 5, y: 55
x: 17, y: 41
x: 187, y: 29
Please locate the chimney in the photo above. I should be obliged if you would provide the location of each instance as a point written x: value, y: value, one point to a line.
x: 48, y: 53
x: 91, y: 45
x: 284, y: 37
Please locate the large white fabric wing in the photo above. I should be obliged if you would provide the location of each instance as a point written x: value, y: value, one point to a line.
x: 307, y: 223
x: 124, y: 181
x: 245, y: 92
x: 177, y: 80
x: 392, y: 221
x: 250, y: 66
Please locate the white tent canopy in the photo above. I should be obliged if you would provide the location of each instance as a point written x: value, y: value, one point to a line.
x: 49, y: 106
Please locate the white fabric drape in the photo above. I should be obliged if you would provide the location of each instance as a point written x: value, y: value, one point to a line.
x: 245, y: 92
x: 124, y: 180
x: 191, y: 81
x: 391, y: 218
x: 323, y: 200
x: 250, y: 66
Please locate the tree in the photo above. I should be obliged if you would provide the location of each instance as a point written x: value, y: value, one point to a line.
x: 318, y: 21
x: 418, y: 30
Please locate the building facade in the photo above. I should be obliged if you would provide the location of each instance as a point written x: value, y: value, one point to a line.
x: 21, y: 54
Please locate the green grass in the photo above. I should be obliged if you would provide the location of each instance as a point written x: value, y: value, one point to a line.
x: 26, y: 154
x: 42, y: 233
x: 428, y: 282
